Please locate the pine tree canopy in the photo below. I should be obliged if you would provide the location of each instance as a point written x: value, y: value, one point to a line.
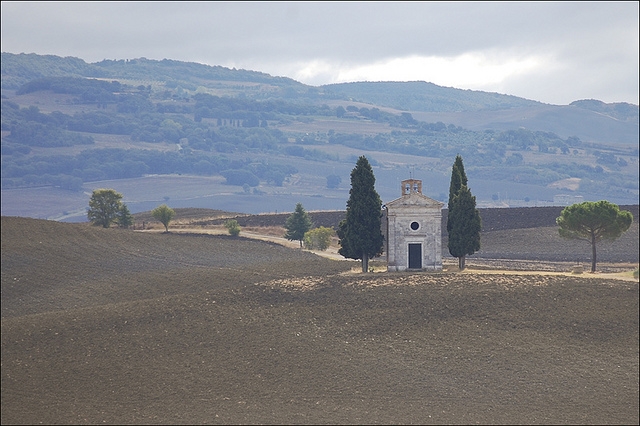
x: 593, y: 222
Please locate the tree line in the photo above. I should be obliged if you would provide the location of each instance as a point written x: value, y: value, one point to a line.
x: 70, y: 171
x: 360, y: 233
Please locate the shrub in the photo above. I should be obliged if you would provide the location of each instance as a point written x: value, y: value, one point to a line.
x: 233, y: 227
x: 240, y: 177
x: 318, y: 238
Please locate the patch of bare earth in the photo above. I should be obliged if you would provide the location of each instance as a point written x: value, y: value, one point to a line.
x: 572, y: 184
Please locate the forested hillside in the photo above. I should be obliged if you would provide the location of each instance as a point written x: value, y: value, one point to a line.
x: 18, y: 70
x: 67, y: 123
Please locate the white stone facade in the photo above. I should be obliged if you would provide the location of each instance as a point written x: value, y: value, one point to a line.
x: 412, y: 230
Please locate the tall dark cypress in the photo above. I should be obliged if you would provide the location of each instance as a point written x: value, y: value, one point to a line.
x: 460, y: 167
x: 458, y: 180
x: 463, y: 219
x: 464, y: 236
x: 359, y: 233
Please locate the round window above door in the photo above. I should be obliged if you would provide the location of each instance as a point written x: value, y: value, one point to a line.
x: 415, y: 226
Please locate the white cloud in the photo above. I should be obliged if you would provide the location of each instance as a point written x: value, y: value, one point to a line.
x: 473, y: 70
x: 548, y: 51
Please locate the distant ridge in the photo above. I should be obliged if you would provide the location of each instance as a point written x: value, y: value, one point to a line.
x: 423, y: 96
x: 18, y: 69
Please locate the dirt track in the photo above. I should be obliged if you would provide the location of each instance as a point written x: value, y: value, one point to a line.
x: 516, y: 234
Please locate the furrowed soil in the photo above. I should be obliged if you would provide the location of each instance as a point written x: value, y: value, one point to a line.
x: 116, y: 326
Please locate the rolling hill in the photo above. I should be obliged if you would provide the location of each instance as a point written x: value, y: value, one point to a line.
x: 115, y: 326
x: 147, y: 127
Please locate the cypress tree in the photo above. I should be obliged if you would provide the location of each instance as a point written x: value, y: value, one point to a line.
x: 460, y: 167
x: 464, y: 236
x: 359, y: 233
x: 297, y: 224
x: 458, y: 180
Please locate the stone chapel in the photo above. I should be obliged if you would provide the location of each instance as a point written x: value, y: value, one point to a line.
x: 412, y: 226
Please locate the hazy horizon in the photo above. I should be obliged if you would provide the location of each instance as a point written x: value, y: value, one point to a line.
x: 549, y: 52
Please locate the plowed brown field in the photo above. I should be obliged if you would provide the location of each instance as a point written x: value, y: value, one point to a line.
x: 113, y: 326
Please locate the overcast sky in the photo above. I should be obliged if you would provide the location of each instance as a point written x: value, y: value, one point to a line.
x: 552, y: 52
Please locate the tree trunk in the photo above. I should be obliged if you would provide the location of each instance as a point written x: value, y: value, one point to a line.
x: 300, y: 243
x: 461, y: 263
x: 365, y: 262
x: 593, y: 253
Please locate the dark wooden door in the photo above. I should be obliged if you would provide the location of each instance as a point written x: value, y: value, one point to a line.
x: 415, y: 256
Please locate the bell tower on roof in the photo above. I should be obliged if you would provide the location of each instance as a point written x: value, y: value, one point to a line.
x: 411, y: 186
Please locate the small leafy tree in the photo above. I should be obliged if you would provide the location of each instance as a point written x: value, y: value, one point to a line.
x: 233, y: 227
x: 360, y: 236
x: 593, y: 222
x: 124, y: 218
x: 297, y: 224
x: 318, y: 238
x: 464, y: 236
x: 104, y: 207
x: 164, y: 215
